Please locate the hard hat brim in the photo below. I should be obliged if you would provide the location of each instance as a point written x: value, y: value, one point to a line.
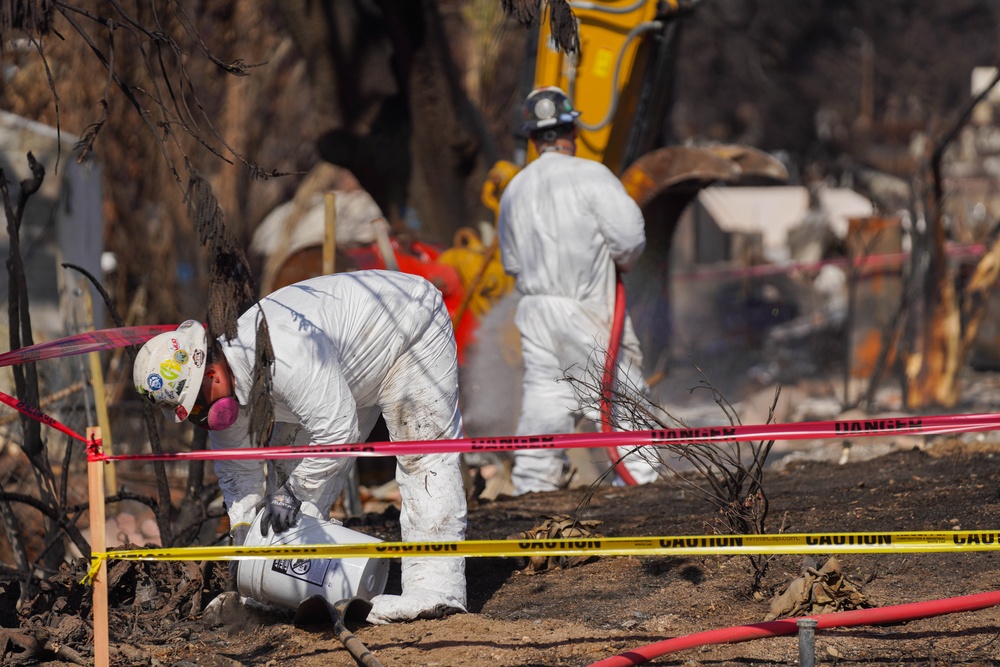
x: 199, y: 338
x: 564, y: 118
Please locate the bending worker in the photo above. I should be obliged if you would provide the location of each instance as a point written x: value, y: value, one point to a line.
x: 566, y: 225
x: 347, y: 347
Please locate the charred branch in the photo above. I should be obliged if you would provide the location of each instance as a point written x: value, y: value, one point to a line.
x: 727, y: 475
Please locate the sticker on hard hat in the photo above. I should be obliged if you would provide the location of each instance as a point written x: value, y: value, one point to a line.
x: 170, y: 370
x: 544, y: 109
x: 198, y: 356
x: 154, y: 381
x: 181, y: 357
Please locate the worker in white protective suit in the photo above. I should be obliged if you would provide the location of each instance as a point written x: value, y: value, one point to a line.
x: 565, y: 225
x: 347, y: 348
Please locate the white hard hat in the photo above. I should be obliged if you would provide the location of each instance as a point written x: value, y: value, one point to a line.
x: 169, y: 368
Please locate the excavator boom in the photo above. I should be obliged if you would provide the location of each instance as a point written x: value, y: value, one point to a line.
x: 621, y: 81
x: 619, y: 78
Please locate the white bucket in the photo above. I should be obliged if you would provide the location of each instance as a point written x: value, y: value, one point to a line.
x: 287, y: 583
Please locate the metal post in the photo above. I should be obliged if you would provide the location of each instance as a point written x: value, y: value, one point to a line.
x: 352, y: 493
x: 807, y: 641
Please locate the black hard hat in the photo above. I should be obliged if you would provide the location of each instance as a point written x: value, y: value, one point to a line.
x: 548, y: 107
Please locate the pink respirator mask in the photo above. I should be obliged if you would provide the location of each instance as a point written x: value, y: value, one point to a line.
x: 219, y: 416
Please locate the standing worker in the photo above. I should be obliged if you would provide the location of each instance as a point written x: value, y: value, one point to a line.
x: 566, y: 225
x: 347, y: 347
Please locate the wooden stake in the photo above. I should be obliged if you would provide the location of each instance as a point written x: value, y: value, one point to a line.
x: 97, y: 384
x: 95, y: 477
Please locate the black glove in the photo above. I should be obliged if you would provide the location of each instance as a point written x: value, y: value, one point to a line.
x: 280, y: 510
x: 239, y: 534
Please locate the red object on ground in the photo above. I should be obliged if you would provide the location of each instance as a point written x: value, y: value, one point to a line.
x: 841, y: 619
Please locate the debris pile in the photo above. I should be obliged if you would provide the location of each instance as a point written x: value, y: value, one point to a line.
x: 157, y: 601
x: 819, y: 591
x: 558, y: 527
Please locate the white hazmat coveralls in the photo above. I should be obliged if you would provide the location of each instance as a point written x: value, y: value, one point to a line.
x: 565, y: 224
x: 348, y: 347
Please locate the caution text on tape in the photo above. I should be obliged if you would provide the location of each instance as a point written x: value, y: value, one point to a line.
x: 790, y: 543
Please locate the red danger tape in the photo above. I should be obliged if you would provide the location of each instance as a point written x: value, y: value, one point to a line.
x: 850, y: 428
x: 81, y: 343
x: 38, y: 415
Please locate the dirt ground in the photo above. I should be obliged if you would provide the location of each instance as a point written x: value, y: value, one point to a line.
x: 580, y: 615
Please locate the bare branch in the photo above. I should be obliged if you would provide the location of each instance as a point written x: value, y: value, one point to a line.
x: 723, y: 474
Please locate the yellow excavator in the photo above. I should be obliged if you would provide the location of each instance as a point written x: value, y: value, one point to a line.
x: 620, y: 80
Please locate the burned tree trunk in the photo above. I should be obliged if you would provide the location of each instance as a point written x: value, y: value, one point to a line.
x: 390, y: 107
x: 940, y: 336
x: 932, y: 363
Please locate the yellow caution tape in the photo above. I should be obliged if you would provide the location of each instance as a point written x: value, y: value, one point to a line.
x: 95, y: 565
x: 690, y: 545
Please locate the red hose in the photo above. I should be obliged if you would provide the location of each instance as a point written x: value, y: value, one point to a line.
x: 610, y: 364
x: 741, y: 633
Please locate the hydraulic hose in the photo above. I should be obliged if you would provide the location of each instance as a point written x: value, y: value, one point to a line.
x: 607, y: 383
x: 841, y: 619
x: 615, y: 95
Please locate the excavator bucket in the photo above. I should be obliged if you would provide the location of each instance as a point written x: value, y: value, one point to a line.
x: 755, y: 165
x: 690, y: 169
